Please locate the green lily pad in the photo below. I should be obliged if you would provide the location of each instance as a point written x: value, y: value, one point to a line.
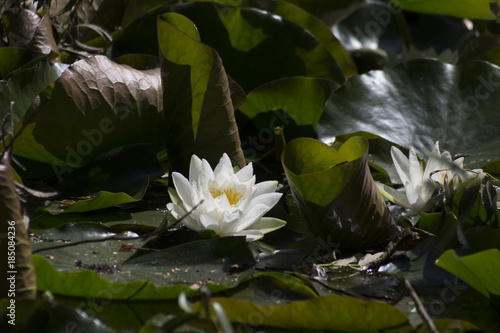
x: 296, y: 104
x: 25, y: 85
x: 96, y: 105
x: 419, y: 102
x: 116, y: 216
x: 198, y: 108
x: 480, y: 270
x: 373, y: 29
x: 255, y: 46
x: 324, y: 9
x: 474, y: 9
x: 379, y: 155
x: 335, y: 192
x: 16, y: 58
x: 111, y: 266
x: 56, y: 318
x: 351, y: 314
x: 294, y: 12
x: 99, y: 200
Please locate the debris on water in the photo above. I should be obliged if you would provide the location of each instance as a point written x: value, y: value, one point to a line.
x: 101, y: 269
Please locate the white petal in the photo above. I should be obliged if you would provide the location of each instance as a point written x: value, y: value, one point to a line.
x: 268, y: 224
x: 268, y: 199
x: 439, y: 176
x: 414, y: 198
x: 401, y: 163
x: 415, y: 171
x: 188, y: 220
x: 435, y: 149
x: 222, y: 203
x: 206, y: 176
x: 194, y: 168
x: 426, y: 191
x: 192, y: 224
x: 245, y: 174
x: 446, y: 156
x: 209, y: 223
x: 435, y: 162
x: 221, y: 177
x: 184, y: 189
x: 224, y: 162
x: 241, y: 205
x: 459, y: 162
x: 209, y: 206
x: 231, y: 221
x: 254, y: 214
x: 264, y: 187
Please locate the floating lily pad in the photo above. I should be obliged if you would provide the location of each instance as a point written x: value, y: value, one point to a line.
x: 109, y: 264
x: 419, y: 102
x: 44, y: 317
x: 351, y: 314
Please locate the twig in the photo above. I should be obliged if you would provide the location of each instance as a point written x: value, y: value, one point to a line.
x: 149, y: 234
x: 390, y: 249
x: 420, y: 307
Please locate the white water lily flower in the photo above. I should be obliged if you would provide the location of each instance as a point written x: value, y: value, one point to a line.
x: 420, y: 184
x: 233, y: 205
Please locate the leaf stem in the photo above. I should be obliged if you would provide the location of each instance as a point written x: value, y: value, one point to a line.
x: 420, y: 307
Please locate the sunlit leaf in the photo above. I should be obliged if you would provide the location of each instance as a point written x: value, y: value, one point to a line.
x: 324, y: 9
x: 302, y: 99
x: 255, y: 46
x: 308, y: 22
x: 379, y: 155
x: 480, y: 270
x: 474, y: 9
x: 336, y: 193
x: 350, y: 314
x: 198, y: 108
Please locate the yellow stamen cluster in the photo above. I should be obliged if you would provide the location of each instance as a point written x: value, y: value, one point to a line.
x: 233, y: 198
